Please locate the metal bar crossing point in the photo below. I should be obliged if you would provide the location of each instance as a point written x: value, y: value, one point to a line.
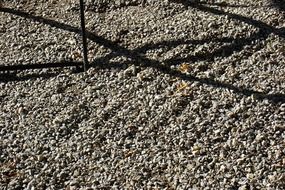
x: 84, y: 40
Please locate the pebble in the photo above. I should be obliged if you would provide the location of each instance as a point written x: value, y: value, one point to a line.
x: 206, y: 111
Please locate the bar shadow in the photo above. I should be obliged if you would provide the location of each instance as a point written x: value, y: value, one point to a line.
x: 12, y: 77
x: 236, y: 45
x: 9, y: 73
x: 266, y: 28
x: 141, y: 60
x: 280, y: 4
x: 223, y: 4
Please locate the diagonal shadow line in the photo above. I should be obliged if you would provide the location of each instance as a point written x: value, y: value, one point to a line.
x: 142, y: 60
x: 225, y: 51
x: 40, y: 19
x: 224, y: 4
x: 174, y: 43
x: 98, y: 39
x: 256, y: 23
x: 146, y: 62
x: 280, y: 4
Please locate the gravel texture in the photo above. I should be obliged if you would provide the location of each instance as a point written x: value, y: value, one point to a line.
x: 180, y: 95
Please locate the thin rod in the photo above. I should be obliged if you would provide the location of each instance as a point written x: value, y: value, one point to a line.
x: 84, y: 40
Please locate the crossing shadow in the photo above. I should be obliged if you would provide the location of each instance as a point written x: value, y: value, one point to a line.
x: 138, y: 57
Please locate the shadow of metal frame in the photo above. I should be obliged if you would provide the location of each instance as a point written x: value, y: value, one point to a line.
x: 78, y: 65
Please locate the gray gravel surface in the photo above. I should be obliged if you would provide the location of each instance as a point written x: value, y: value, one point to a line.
x: 181, y: 95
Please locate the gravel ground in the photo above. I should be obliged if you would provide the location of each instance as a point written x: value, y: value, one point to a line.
x: 181, y: 95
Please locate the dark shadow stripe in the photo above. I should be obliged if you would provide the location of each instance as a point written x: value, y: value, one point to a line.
x: 142, y: 60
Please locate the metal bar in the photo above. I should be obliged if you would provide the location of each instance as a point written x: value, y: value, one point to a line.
x: 84, y: 40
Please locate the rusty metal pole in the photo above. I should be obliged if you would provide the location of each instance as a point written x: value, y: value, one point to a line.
x: 84, y: 39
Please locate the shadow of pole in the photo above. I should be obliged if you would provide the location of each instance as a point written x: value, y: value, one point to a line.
x: 143, y: 61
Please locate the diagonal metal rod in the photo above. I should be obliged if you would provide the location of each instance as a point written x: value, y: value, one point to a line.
x: 84, y: 40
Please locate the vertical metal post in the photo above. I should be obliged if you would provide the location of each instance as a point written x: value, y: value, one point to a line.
x: 84, y: 40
